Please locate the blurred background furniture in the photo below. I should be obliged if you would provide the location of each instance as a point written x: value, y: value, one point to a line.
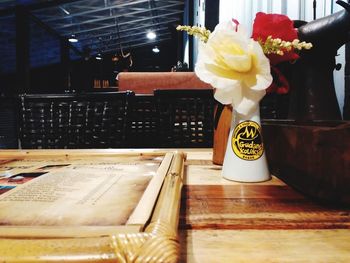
x: 177, y: 113
x: 142, y: 131
x: 94, y: 120
x: 169, y: 118
x: 8, y: 123
x: 146, y: 82
x: 185, y: 117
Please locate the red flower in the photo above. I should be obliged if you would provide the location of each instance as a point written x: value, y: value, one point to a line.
x: 276, y: 26
x: 280, y: 84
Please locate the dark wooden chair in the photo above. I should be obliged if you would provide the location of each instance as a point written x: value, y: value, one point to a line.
x: 106, y: 119
x: 59, y: 121
x: 142, y: 122
x: 8, y: 123
x: 274, y: 106
x: 185, y: 117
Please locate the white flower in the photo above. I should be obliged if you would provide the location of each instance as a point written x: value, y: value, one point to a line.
x: 236, y: 66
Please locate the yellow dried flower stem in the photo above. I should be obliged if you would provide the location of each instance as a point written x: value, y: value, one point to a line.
x: 201, y: 32
x: 269, y: 46
x: 278, y: 46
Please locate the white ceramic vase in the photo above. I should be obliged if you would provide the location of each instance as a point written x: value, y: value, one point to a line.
x: 245, y: 159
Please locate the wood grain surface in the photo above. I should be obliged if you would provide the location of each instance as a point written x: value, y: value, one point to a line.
x: 225, y: 221
x: 313, y: 157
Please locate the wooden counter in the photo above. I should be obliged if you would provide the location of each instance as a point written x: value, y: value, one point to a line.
x: 147, y: 82
x: 223, y: 221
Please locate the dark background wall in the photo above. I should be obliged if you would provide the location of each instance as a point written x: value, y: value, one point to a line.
x: 45, y: 75
x: 34, y: 60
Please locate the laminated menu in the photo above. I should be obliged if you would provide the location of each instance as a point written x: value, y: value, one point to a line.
x: 70, y: 196
x: 82, y: 194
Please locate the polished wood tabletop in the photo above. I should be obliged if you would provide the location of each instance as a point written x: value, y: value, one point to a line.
x: 224, y: 221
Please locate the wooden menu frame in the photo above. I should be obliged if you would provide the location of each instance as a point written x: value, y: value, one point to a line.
x: 150, y: 234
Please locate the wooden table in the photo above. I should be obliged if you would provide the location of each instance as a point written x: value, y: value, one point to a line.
x: 223, y: 221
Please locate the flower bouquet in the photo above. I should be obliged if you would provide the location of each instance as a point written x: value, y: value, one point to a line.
x: 239, y: 67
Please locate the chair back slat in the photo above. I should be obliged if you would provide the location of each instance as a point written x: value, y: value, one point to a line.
x: 95, y: 120
x: 143, y: 122
x: 185, y: 117
x: 8, y: 123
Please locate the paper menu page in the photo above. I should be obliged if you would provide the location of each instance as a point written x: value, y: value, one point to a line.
x: 78, y: 194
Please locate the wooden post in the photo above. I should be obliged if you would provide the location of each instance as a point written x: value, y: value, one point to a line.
x: 190, y: 40
x: 22, y: 50
x: 211, y: 14
x: 346, y: 109
x: 65, y: 67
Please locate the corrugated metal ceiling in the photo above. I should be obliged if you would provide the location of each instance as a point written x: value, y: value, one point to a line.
x: 102, y: 25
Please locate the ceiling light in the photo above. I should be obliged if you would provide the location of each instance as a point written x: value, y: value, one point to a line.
x: 155, y: 50
x: 98, y: 56
x: 73, y: 39
x: 151, y: 35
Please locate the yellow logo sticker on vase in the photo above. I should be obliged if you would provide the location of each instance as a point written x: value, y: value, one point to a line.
x: 247, y: 141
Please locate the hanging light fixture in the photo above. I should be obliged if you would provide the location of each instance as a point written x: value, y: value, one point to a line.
x: 123, y: 58
x: 98, y: 56
x: 155, y: 49
x: 73, y: 39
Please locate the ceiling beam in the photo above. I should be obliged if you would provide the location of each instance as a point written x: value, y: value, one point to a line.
x: 124, y: 23
x: 127, y: 42
x: 116, y: 38
x: 84, y: 37
x: 110, y: 7
x: 115, y: 48
x: 35, y: 6
x: 104, y: 18
x: 98, y: 9
x: 115, y: 35
x: 52, y: 31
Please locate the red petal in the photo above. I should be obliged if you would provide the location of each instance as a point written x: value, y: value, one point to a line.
x: 275, y: 25
x: 288, y: 56
x: 280, y: 84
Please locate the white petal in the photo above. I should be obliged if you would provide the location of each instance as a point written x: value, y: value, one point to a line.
x: 231, y: 95
x: 224, y: 83
x: 242, y: 63
x: 246, y: 106
x: 236, y: 66
x: 225, y: 26
x: 205, y: 52
x: 202, y: 73
x: 263, y: 82
x: 223, y: 96
x: 250, y: 101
